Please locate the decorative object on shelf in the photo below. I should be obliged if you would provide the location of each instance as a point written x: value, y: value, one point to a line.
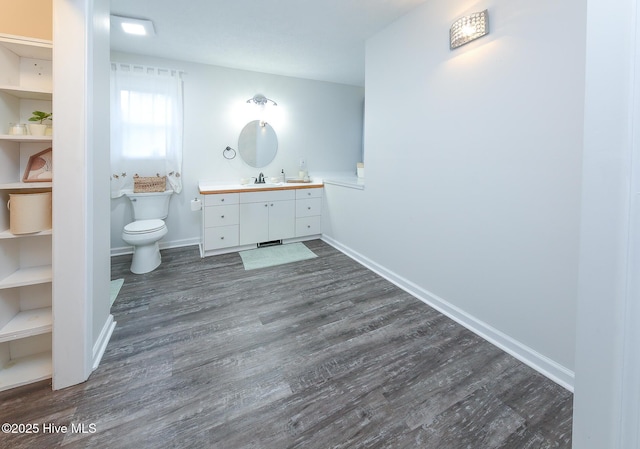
x: 40, y: 167
x: 39, y: 129
x: 261, y: 100
x: 17, y: 129
x: 29, y: 212
x: 469, y: 28
x: 145, y: 184
x: 229, y: 153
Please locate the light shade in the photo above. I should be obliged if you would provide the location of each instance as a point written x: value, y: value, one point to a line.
x: 261, y: 100
x: 469, y: 28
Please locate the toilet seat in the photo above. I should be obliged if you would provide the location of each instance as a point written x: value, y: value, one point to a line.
x: 144, y: 226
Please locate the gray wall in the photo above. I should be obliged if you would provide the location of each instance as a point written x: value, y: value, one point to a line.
x: 318, y: 121
x: 473, y: 167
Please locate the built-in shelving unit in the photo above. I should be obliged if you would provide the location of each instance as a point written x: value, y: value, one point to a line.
x: 26, y: 271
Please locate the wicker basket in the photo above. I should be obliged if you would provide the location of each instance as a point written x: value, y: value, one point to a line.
x: 142, y: 184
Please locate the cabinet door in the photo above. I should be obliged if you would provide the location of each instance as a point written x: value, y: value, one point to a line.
x: 282, y: 220
x: 254, y: 223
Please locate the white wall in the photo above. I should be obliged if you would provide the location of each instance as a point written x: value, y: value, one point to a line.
x: 473, y: 167
x: 318, y: 121
x: 80, y: 200
x: 607, y: 393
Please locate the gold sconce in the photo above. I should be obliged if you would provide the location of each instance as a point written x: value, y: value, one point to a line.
x: 469, y: 28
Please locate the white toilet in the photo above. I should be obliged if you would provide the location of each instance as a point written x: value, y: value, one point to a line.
x: 149, y: 210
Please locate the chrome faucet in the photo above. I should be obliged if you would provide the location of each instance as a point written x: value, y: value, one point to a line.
x: 260, y: 179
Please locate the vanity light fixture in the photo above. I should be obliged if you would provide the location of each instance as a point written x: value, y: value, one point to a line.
x: 261, y: 100
x: 136, y: 27
x: 469, y: 28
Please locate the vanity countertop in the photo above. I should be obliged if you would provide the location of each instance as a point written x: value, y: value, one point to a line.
x: 209, y: 187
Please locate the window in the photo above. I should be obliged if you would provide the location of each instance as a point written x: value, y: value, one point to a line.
x: 146, y: 125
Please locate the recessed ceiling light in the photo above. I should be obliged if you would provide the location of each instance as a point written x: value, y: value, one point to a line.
x: 137, y: 27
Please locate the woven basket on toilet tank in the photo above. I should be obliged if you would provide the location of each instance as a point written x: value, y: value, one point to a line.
x: 29, y: 212
x: 144, y: 184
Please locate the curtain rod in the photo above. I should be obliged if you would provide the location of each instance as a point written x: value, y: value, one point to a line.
x: 139, y: 68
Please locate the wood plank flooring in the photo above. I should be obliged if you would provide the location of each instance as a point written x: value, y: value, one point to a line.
x: 321, y: 353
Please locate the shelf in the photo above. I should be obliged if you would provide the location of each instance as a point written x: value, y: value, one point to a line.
x: 8, y: 235
x: 27, y: 276
x: 28, y: 47
x: 26, y: 324
x: 26, y: 139
x: 27, y: 94
x: 26, y: 370
x: 26, y: 185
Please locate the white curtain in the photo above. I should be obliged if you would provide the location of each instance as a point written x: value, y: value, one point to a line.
x: 146, y: 126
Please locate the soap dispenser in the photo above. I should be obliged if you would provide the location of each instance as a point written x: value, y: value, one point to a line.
x: 284, y: 179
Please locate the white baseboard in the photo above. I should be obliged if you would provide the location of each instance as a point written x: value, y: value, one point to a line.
x: 103, y: 339
x: 544, y: 365
x: 122, y: 250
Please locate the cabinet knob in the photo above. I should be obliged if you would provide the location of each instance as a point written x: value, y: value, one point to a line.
x: 266, y: 205
x: 309, y: 207
x: 222, y: 200
x: 221, y: 216
x: 221, y: 238
x: 309, y: 226
x: 271, y: 204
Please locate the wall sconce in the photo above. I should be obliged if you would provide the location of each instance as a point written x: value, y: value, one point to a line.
x: 469, y: 28
x: 261, y: 100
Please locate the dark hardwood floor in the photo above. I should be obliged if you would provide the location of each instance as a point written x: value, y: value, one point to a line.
x: 321, y: 353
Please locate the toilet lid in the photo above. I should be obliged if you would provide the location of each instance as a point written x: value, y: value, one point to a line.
x: 143, y: 226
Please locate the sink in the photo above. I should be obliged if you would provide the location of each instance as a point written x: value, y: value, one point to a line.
x: 212, y: 186
x: 261, y: 186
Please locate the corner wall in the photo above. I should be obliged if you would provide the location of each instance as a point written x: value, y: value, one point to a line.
x: 81, y: 265
x: 473, y: 167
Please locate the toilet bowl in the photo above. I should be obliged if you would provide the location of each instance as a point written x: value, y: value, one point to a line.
x: 149, y: 211
x: 144, y: 235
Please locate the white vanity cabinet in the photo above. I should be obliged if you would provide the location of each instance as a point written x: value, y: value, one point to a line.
x: 267, y: 216
x: 236, y: 218
x: 25, y: 259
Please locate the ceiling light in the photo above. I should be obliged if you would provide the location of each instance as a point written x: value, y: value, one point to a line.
x: 136, y: 27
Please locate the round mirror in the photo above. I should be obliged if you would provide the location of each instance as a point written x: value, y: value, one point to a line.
x: 258, y: 143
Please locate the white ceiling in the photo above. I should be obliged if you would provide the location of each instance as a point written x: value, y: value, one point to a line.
x: 320, y: 40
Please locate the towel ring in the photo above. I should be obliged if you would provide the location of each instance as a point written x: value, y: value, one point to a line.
x: 229, y: 153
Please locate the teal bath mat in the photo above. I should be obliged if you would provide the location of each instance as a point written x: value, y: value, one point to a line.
x: 275, y: 255
x: 116, y: 285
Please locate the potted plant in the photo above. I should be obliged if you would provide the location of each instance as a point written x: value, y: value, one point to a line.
x: 39, y: 129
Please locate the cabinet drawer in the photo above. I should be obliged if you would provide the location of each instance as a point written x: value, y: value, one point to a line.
x: 308, y: 193
x: 221, y: 237
x: 219, y: 199
x: 269, y: 195
x: 308, y: 208
x: 221, y: 215
x: 308, y: 226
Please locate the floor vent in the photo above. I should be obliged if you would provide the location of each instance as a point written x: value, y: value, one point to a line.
x: 271, y: 243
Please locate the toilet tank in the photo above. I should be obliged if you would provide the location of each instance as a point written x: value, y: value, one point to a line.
x: 147, y: 206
